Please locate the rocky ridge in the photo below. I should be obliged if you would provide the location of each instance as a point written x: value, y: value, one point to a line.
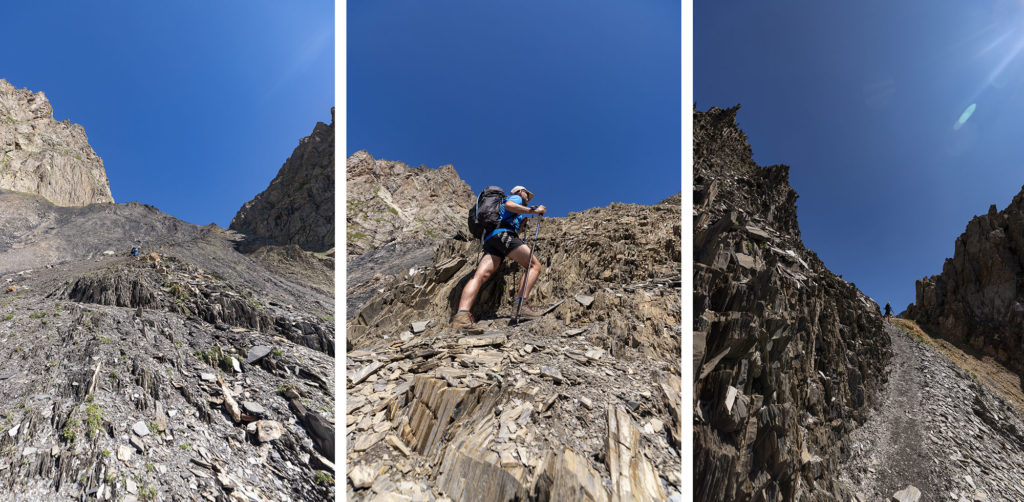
x: 978, y: 299
x: 787, y: 356
x: 525, y: 412
x: 298, y: 206
x: 389, y: 202
x: 41, y: 156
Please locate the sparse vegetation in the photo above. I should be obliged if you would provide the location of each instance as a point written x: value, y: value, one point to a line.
x: 70, y: 431
x: 217, y: 358
x: 37, y: 315
x: 324, y: 478
x: 8, y: 317
x: 93, y: 420
x: 148, y: 493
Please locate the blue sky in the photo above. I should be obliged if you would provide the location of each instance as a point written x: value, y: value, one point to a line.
x: 578, y: 102
x: 864, y: 101
x: 193, y: 106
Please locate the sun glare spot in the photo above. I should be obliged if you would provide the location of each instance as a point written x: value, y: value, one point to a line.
x: 964, y: 116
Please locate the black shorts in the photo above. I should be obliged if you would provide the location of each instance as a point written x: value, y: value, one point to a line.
x: 502, y: 244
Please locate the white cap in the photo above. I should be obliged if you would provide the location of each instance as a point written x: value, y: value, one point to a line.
x: 520, y: 187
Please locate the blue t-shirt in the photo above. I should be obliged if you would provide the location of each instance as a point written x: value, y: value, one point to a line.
x: 509, y: 218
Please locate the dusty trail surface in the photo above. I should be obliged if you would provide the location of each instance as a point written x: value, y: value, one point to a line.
x: 937, y: 429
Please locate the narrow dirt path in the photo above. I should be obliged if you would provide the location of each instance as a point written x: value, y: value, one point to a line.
x: 936, y: 429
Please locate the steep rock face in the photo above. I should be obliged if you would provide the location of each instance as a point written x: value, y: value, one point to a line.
x: 390, y: 201
x: 581, y: 404
x: 787, y: 356
x: 298, y: 206
x: 978, y: 299
x: 41, y: 156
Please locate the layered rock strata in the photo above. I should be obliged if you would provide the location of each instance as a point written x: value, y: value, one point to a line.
x: 978, y: 299
x: 41, y: 156
x: 787, y: 356
x: 298, y: 205
x: 192, y: 372
x: 581, y: 404
x: 389, y: 202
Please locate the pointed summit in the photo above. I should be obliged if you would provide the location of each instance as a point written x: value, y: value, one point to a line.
x: 298, y: 206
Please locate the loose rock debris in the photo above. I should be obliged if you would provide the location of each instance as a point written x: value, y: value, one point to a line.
x: 580, y: 404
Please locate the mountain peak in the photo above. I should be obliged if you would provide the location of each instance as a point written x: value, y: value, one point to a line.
x: 41, y: 156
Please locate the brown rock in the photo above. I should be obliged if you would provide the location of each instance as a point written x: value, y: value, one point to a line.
x: 41, y: 156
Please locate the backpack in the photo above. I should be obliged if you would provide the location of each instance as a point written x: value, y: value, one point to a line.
x: 485, y: 216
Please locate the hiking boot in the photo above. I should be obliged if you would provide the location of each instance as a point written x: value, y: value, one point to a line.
x: 528, y: 312
x: 463, y: 321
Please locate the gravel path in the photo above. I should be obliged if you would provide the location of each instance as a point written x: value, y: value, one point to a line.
x: 936, y: 429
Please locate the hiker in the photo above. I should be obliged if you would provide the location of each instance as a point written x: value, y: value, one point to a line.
x: 888, y: 310
x: 497, y: 244
x: 135, y: 252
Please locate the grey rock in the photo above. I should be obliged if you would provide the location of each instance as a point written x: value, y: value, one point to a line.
x: 137, y: 443
x: 253, y: 408
x: 258, y: 352
x: 976, y: 302
x: 140, y: 429
x: 585, y: 300
x: 748, y: 301
x: 298, y: 206
x: 419, y: 326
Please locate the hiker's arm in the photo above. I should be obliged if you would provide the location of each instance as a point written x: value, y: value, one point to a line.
x: 521, y: 209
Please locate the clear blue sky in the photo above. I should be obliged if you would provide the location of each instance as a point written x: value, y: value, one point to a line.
x: 578, y: 101
x: 193, y: 105
x: 864, y: 100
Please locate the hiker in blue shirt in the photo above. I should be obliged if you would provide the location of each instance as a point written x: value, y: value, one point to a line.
x: 498, y: 244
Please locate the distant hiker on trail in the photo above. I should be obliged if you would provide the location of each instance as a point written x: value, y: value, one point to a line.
x: 497, y: 244
x: 888, y: 310
x: 135, y: 252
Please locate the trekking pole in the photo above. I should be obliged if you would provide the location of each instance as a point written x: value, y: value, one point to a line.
x: 526, y: 276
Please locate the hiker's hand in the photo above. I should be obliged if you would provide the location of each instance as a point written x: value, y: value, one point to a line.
x: 541, y: 210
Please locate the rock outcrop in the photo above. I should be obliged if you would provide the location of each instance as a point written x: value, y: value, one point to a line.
x: 390, y: 202
x: 978, y: 299
x: 787, y: 356
x: 298, y: 206
x: 581, y: 404
x: 41, y: 156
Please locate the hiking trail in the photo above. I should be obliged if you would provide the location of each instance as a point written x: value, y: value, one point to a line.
x: 936, y: 428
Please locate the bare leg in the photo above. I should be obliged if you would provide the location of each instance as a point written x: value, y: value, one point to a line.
x: 488, y: 264
x: 520, y: 255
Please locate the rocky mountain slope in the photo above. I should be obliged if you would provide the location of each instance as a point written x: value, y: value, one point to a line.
x: 581, y: 404
x: 41, y: 156
x: 391, y: 202
x: 193, y: 372
x: 978, y: 299
x: 298, y: 206
x: 787, y: 356
x: 939, y: 430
